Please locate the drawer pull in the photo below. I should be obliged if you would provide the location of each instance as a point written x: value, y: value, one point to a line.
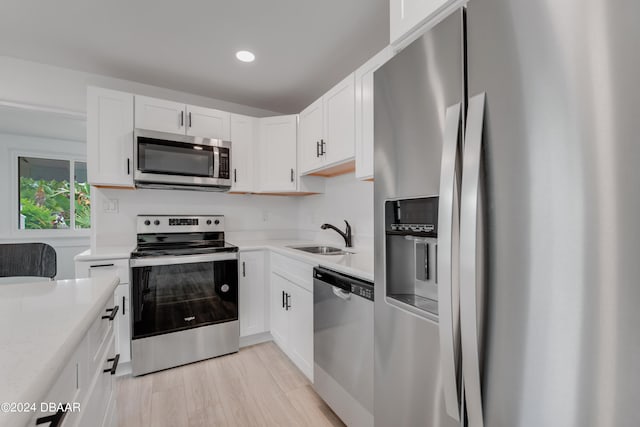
x: 101, y: 265
x: 113, y: 368
x: 113, y: 312
x: 54, y: 420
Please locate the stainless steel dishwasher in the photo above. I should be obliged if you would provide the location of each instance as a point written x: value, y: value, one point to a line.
x: 343, y: 345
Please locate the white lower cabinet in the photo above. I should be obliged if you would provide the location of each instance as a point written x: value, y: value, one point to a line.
x: 279, y: 315
x: 301, y: 328
x: 292, y: 310
x: 253, y: 306
x: 86, y: 385
x: 121, y: 298
x: 123, y: 322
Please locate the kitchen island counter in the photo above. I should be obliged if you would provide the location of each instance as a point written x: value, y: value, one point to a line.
x: 41, y: 324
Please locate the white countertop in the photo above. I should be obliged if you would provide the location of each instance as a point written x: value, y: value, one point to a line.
x: 41, y: 324
x: 359, y: 263
x: 105, y: 252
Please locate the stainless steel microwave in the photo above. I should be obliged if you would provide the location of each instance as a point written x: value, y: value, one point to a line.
x: 166, y: 160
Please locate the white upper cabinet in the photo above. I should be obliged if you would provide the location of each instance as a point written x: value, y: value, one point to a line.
x: 207, y: 122
x: 109, y: 137
x: 310, y: 136
x: 407, y: 16
x: 160, y: 115
x: 327, y: 129
x: 277, y: 154
x: 243, y: 130
x: 173, y: 117
x: 364, y: 113
x: 339, y: 122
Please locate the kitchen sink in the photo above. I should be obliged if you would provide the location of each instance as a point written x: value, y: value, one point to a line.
x: 321, y: 250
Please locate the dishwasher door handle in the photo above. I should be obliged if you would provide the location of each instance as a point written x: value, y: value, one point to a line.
x: 342, y: 294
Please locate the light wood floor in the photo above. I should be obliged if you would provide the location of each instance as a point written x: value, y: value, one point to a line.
x: 258, y: 386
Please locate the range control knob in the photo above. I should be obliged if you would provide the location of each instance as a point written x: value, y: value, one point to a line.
x: 208, y: 222
x: 147, y: 222
x: 216, y: 222
x: 156, y: 222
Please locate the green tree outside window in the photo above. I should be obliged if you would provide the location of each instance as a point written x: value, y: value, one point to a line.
x: 45, y: 194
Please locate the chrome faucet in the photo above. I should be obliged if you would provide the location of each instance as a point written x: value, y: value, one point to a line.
x: 346, y: 235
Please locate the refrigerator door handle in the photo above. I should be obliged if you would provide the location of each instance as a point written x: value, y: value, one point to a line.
x: 448, y: 216
x: 471, y: 274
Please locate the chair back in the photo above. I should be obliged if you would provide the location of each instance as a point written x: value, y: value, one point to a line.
x: 27, y: 259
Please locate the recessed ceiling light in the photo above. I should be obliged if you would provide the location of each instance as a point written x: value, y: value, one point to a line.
x: 245, y: 56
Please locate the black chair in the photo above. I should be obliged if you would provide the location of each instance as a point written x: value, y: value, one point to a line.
x: 27, y: 259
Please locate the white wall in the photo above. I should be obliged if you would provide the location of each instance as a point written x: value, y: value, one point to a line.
x: 247, y: 217
x: 27, y: 82
x: 11, y: 145
x: 344, y: 198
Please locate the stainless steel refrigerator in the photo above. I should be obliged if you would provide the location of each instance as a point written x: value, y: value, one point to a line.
x: 507, y: 193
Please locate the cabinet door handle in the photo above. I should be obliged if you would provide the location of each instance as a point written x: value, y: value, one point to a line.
x: 101, y: 265
x: 244, y: 270
x: 235, y: 175
x: 292, y: 175
x: 128, y: 166
x: 322, y: 145
x: 123, y: 306
x: 113, y: 312
x: 114, y: 367
x: 282, y: 299
x: 181, y: 118
x: 54, y: 420
x: 189, y: 118
x: 287, y: 303
x: 317, y: 148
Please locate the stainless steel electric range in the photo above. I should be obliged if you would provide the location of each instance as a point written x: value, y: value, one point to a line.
x: 184, y: 292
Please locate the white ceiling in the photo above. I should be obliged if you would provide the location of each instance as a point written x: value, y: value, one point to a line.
x: 302, y: 47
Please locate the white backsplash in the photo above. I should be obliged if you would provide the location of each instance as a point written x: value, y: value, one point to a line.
x: 345, y: 198
x: 248, y: 217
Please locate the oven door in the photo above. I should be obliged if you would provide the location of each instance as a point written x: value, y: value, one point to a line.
x: 171, y: 294
x: 162, y: 158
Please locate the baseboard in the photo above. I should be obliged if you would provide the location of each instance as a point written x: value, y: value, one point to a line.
x: 255, y: 339
x: 123, y: 369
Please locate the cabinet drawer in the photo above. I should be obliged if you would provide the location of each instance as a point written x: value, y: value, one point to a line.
x: 102, y: 268
x: 99, y: 335
x: 296, y: 271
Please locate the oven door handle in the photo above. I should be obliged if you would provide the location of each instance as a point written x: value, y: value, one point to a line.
x: 186, y: 259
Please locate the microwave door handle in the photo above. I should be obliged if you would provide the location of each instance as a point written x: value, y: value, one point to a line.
x: 447, y: 267
x: 471, y: 260
x: 216, y: 163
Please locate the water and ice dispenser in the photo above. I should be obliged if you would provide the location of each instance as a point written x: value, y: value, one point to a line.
x: 411, y: 229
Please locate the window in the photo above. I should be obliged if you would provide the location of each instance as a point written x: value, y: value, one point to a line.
x: 45, y: 191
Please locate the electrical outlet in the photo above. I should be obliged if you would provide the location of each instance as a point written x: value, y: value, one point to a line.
x: 110, y: 205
